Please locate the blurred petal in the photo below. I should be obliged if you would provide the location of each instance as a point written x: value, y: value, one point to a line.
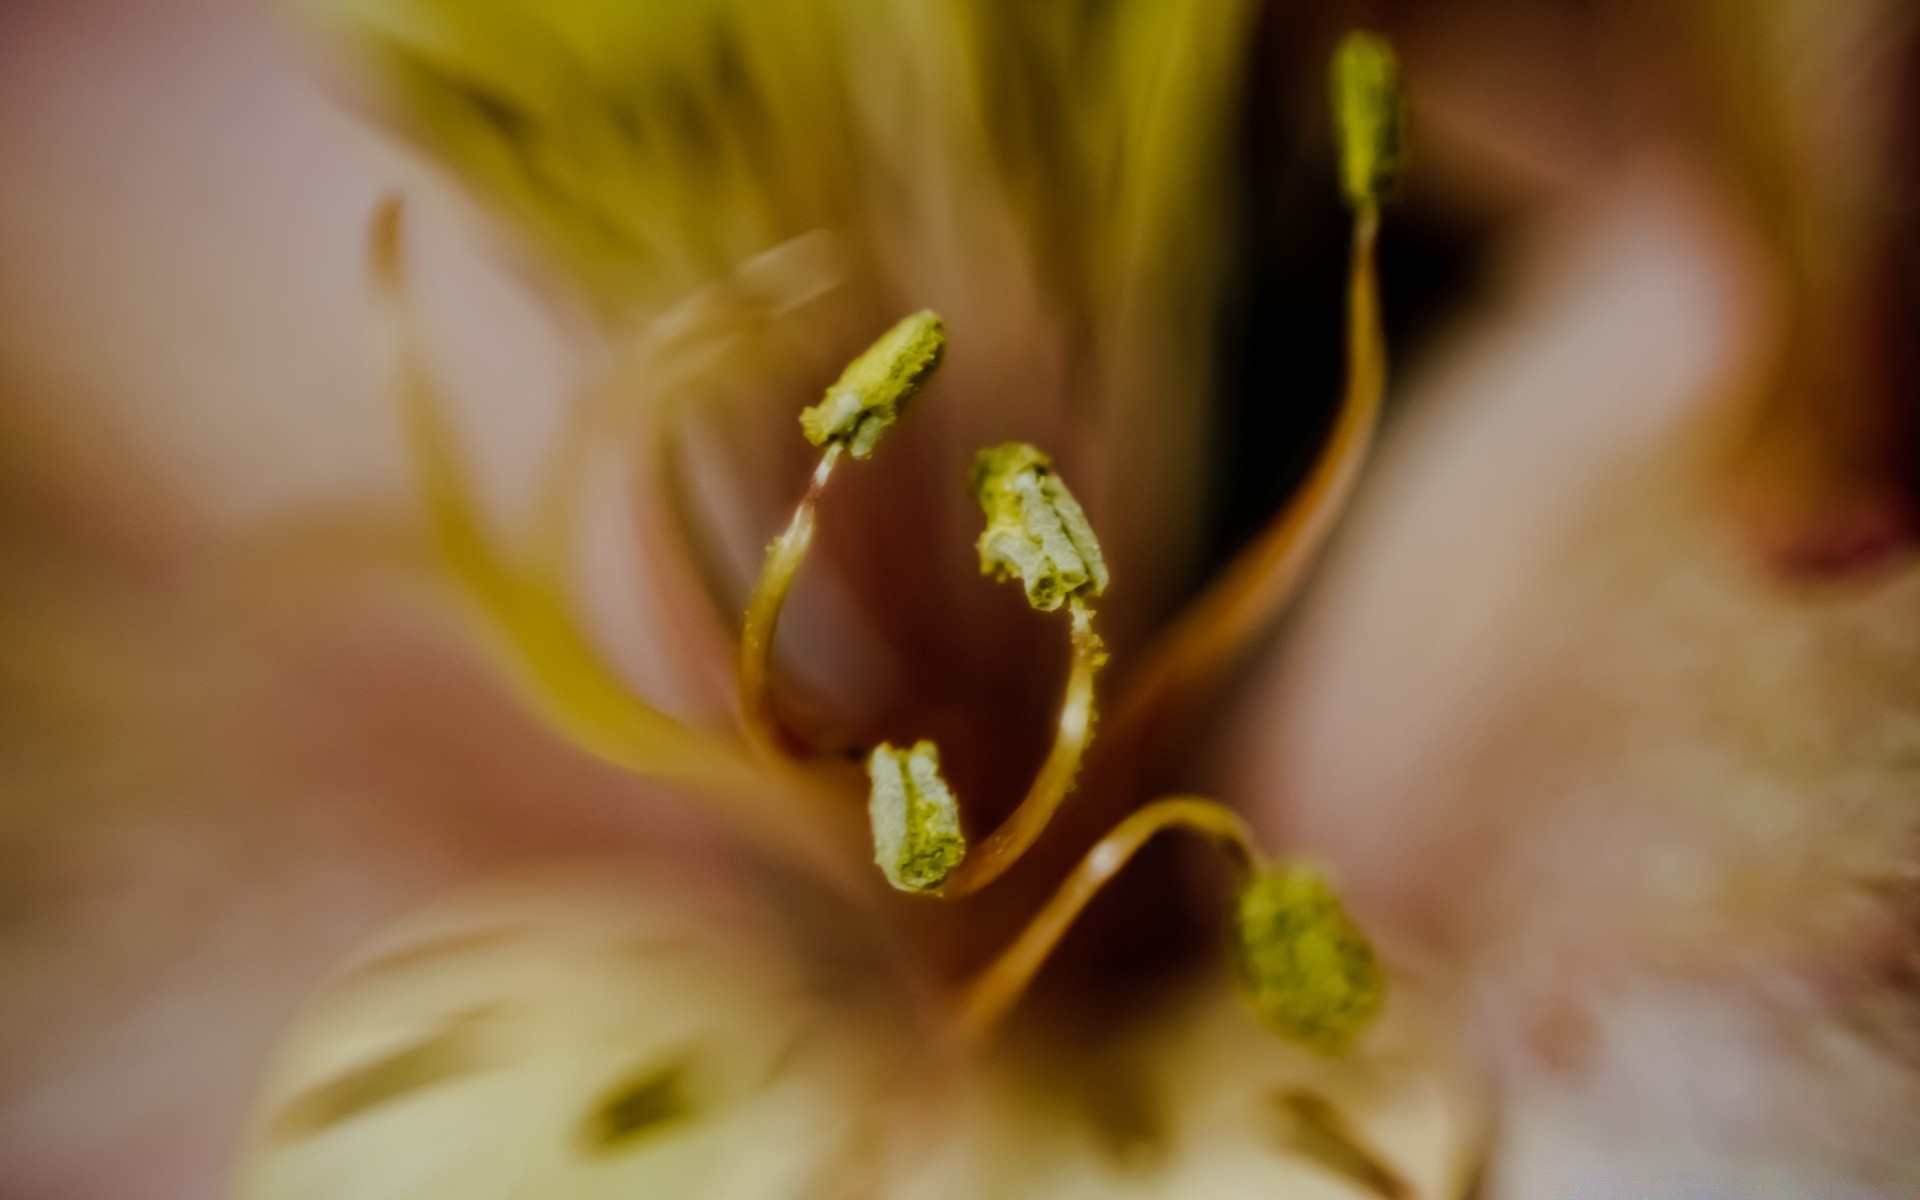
x: 580, y: 1033
x: 584, y: 1036
x: 1651, y: 800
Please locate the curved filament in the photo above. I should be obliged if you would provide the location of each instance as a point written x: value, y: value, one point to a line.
x: 996, y: 989
x: 753, y: 668
x: 1004, y: 846
x: 1176, y: 669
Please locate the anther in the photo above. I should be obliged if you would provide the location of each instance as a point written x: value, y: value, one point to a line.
x: 916, y: 824
x: 871, y: 393
x: 1036, y: 531
x: 1308, y: 970
x: 1369, y: 117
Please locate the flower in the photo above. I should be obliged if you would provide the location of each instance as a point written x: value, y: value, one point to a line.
x: 671, y: 1098
x: 1614, y: 806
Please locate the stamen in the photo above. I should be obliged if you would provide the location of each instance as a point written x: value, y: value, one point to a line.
x: 916, y: 824
x: 1309, y: 972
x: 860, y: 406
x: 784, y: 556
x: 1000, y: 986
x: 561, y: 670
x: 1037, y: 532
x: 1321, y: 1133
x: 1174, y: 672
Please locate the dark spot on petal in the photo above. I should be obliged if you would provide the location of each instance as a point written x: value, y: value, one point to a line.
x: 1317, y: 1131
x: 643, y: 1103
x: 733, y: 79
x: 455, y: 1050
x: 1563, y: 1037
x: 1127, y: 1117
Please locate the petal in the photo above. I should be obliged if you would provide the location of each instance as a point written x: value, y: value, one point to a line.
x: 1203, y: 1102
x: 1651, y: 802
x: 583, y: 1034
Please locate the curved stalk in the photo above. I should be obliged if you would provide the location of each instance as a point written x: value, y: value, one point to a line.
x: 1004, y: 846
x: 753, y: 668
x: 996, y: 989
x: 1176, y: 669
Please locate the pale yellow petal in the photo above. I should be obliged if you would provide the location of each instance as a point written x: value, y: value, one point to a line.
x: 578, y: 1035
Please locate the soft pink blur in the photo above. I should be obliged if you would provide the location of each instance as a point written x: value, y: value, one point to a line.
x: 220, y: 779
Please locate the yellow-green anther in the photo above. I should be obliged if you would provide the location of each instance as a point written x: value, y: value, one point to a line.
x: 1309, y: 970
x: 916, y: 824
x: 1035, y: 531
x: 1369, y: 117
x: 871, y: 392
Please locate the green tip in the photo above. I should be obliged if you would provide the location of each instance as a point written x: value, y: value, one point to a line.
x: 916, y: 823
x: 1036, y: 531
x: 1308, y: 969
x: 1369, y: 117
x: 871, y: 392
